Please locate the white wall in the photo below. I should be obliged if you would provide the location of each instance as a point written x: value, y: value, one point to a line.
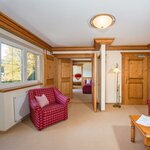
x: 87, y: 70
x: 2, y: 117
x: 77, y: 69
x: 112, y: 57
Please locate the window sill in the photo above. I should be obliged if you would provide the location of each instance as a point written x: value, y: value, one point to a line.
x: 19, y: 87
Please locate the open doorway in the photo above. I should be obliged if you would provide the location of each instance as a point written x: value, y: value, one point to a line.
x: 82, y: 81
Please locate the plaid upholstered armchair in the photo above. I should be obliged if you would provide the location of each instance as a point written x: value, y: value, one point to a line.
x: 55, y: 111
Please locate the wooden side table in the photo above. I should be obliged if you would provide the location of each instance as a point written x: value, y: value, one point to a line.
x: 143, y: 129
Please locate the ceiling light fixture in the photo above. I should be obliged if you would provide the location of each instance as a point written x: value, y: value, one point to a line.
x: 102, y: 21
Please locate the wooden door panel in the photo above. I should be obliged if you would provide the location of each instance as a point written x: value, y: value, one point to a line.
x: 65, y: 76
x: 135, y: 68
x: 66, y: 88
x: 135, y: 90
x: 134, y: 79
x: 66, y: 69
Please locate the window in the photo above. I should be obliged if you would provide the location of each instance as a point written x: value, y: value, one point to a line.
x: 31, y: 66
x: 10, y: 64
x: 18, y: 65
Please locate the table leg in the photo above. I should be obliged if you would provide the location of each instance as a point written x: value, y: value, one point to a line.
x: 132, y: 132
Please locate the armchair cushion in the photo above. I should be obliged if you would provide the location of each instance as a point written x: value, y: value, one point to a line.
x: 42, y: 100
x: 53, y: 108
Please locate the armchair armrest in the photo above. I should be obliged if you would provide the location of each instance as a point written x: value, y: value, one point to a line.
x: 34, y: 105
x: 60, y: 98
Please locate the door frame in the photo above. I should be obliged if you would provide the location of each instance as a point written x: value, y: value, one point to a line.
x: 74, y: 56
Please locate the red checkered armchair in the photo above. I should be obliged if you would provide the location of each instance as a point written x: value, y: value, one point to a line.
x: 56, y: 111
x: 148, y: 102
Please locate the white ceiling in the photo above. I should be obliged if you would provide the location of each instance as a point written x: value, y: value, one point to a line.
x: 66, y: 22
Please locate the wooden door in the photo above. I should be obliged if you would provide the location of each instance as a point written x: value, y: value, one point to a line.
x: 65, y: 76
x: 134, y: 78
x: 94, y: 85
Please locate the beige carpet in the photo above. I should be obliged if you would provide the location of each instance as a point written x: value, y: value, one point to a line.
x: 79, y: 97
x: 84, y: 130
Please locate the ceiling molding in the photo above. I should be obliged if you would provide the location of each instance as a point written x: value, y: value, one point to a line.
x: 107, y: 41
x: 74, y: 48
x: 96, y: 46
x: 13, y: 27
x: 73, y: 55
x: 128, y: 47
x: 81, y: 61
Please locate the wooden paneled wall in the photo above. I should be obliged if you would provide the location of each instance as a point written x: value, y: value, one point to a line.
x: 49, y: 70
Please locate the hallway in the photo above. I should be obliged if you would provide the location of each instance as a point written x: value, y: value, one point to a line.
x: 79, y: 97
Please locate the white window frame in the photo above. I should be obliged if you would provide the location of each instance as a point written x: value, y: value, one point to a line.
x: 38, y: 68
x: 24, y: 49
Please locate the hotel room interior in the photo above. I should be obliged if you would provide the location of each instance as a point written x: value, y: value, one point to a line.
x: 74, y: 75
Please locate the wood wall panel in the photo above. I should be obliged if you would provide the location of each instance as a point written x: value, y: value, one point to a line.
x: 49, y: 70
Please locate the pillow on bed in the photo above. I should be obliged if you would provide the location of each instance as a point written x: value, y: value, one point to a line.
x: 88, y: 81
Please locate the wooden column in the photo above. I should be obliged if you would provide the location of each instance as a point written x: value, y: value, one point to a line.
x: 95, y: 82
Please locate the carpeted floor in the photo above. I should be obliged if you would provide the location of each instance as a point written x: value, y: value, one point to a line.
x: 84, y: 130
x: 79, y: 97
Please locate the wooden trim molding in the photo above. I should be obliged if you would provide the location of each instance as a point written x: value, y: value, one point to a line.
x: 95, y: 47
x: 13, y: 27
x: 73, y: 55
x: 128, y: 47
x: 81, y: 61
x: 107, y: 41
x: 75, y: 48
x: 18, y: 87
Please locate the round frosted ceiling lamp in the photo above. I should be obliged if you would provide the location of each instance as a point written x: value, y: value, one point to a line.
x: 102, y: 21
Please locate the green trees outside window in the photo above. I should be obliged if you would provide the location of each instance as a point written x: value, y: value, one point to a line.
x: 10, y: 64
x: 31, y: 66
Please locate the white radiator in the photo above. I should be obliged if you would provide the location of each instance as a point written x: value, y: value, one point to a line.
x: 21, y: 106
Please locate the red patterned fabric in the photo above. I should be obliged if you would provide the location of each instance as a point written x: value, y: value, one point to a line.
x: 56, y: 111
x: 87, y: 88
x: 148, y: 102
